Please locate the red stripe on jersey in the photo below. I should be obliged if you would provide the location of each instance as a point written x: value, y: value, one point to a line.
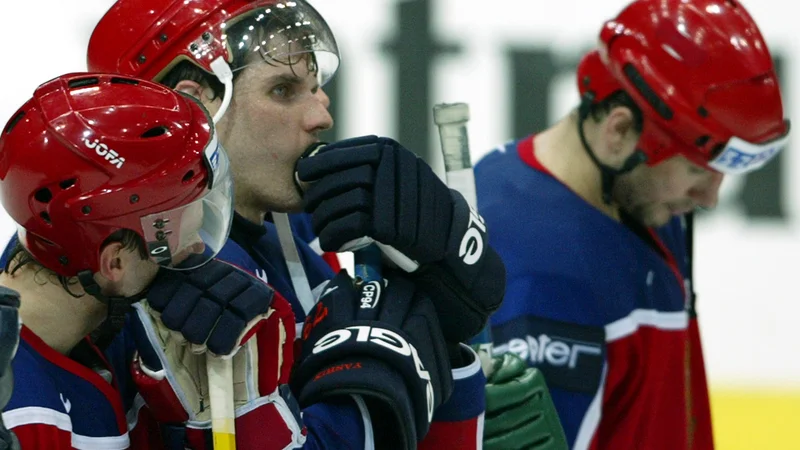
x: 146, y: 435
x: 333, y: 260
x: 698, y: 404
x: 466, y: 435
x: 262, y: 428
x: 109, y: 392
x: 646, y: 383
x: 45, y: 437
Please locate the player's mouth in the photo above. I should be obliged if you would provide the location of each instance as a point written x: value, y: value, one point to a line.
x: 676, y: 210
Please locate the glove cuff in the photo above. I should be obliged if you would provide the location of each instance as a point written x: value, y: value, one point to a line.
x: 383, y: 389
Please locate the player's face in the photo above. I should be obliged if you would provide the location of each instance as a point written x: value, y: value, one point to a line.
x: 138, y: 272
x: 674, y: 187
x: 276, y: 112
x: 189, y: 240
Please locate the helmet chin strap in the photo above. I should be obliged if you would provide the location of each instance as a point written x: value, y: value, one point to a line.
x: 608, y: 174
x: 118, y: 308
x: 225, y: 75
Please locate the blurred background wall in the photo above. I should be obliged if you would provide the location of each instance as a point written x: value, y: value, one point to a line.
x: 513, y: 62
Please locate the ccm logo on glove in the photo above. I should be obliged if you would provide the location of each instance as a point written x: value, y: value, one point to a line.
x: 385, y: 338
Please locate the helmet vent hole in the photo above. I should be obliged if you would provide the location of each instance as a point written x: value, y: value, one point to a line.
x: 83, y: 82
x: 647, y: 92
x: 14, y: 121
x: 120, y: 80
x: 43, y: 195
x: 188, y: 176
x: 702, y: 141
x: 46, y: 242
x: 731, y: 3
x: 45, y: 217
x: 717, y: 150
x: 66, y: 184
x: 155, y: 132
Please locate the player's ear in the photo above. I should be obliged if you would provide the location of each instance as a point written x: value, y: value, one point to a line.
x: 202, y: 92
x: 620, y: 133
x: 190, y: 87
x: 112, y: 264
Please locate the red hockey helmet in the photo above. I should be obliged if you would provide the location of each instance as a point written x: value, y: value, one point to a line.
x: 703, y: 77
x: 147, y: 38
x: 92, y: 154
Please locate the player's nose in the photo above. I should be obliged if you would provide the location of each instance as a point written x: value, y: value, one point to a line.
x: 318, y: 118
x: 706, y: 192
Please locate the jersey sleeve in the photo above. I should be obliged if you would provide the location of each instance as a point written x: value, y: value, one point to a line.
x: 544, y: 320
x: 458, y: 423
x: 342, y: 423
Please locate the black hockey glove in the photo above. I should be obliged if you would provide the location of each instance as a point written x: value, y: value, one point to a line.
x: 216, y: 306
x: 9, y: 341
x: 371, y: 186
x: 380, y: 340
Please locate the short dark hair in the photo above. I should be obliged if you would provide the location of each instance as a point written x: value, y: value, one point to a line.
x: 20, y: 257
x: 619, y: 98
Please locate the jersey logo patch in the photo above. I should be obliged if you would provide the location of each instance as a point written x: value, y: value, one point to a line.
x: 570, y: 356
x: 67, y: 404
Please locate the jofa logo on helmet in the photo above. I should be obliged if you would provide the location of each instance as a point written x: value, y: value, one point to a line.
x: 102, y: 150
x: 471, y: 247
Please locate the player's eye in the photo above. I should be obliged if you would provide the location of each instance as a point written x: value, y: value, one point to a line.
x: 283, y: 91
x: 697, y: 170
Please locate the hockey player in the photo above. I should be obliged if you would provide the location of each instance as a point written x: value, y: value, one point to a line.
x: 592, y: 217
x: 112, y: 178
x: 108, y: 178
x: 258, y: 66
x: 9, y: 341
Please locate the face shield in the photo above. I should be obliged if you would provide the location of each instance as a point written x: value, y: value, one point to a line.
x: 189, y: 236
x: 282, y: 34
x: 285, y: 33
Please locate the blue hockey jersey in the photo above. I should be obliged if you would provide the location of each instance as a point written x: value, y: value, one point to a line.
x: 599, y: 307
x: 60, y: 403
x: 256, y: 249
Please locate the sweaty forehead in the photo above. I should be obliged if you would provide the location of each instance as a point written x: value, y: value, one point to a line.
x: 301, y: 68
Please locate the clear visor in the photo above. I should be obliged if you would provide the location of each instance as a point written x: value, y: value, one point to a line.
x: 290, y: 33
x: 739, y: 156
x: 189, y: 236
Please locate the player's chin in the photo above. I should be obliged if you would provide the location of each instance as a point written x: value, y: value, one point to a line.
x: 655, y: 217
x: 289, y: 202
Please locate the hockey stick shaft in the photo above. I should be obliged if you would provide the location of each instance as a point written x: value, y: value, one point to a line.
x: 220, y: 390
x: 451, y: 119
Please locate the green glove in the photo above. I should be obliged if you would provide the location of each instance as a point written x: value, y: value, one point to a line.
x: 519, y: 411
